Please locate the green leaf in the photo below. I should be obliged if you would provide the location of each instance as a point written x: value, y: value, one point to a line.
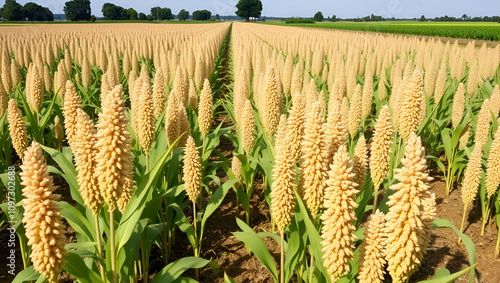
x: 228, y: 279
x: 69, y: 170
x: 137, y: 203
x: 215, y: 201
x: 28, y: 274
x: 441, y: 273
x: 441, y: 278
x: 175, y: 269
x: 469, y: 244
x: 314, y: 238
x: 257, y: 246
x: 76, y: 267
x: 76, y: 220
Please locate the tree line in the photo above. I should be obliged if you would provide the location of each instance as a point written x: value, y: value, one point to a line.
x: 13, y: 11
x: 79, y: 10
x: 318, y: 17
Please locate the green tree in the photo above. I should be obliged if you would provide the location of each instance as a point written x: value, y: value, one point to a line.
x: 12, y: 11
x: 142, y: 17
x: 35, y: 12
x: 132, y: 14
x: 422, y: 18
x: 202, y: 15
x: 318, y: 17
x: 77, y: 10
x: 333, y: 18
x: 249, y: 8
x: 92, y: 18
x: 183, y: 15
x: 217, y: 16
x: 111, y: 12
x: 162, y: 13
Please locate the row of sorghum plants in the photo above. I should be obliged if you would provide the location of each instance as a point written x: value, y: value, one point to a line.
x: 121, y: 113
x: 344, y: 115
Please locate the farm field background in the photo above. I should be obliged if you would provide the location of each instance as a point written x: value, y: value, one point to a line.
x: 242, y: 152
x: 469, y: 30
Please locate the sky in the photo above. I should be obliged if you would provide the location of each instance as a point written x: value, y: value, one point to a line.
x: 304, y: 8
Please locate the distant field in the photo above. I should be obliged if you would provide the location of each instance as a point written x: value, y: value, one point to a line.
x: 470, y: 30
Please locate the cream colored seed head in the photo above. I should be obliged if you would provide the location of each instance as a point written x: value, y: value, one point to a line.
x: 127, y: 192
x: 236, y: 167
x: 86, y: 77
x: 483, y: 124
x: 355, y: 112
x: 287, y: 75
x: 296, y: 84
x: 191, y: 170
x: 295, y: 126
x: 440, y: 83
x: 46, y: 78
x: 282, y: 193
x: 34, y: 89
x: 335, y: 130
x: 159, y: 94
x: 58, y: 130
x: 313, y: 162
x: 366, y: 103
x: 360, y: 162
x: 114, y: 157
x: 17, y: 128
x: 171, y: 120
x: 180, y: 85
x: 85, y: 152
x: 247, y: 127
x: 192, y: 96
x: 144, y: 114
x: 6, y: 76
x: 42, y: 219
x: 71, y: 105
x: 493, y: 167
x: 272, y: 101
x: 371, y: 268
x: 3, y: 101
x: 382, y: 91
x: 495, y: 101
x: 381, y: 147
x: 338, y: 229
x: 458, y: 106
x: 465, y: 135
x: 205, y: 109
x: 16, y: 74
x: 410, y: 105
x: 404, y: 219
x: 472, y: 176
x: 428, y: 215
x: 184, y: 126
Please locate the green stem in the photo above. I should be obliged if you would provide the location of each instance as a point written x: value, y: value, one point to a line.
x: 486, y: 215
x: 463, y: 221
x: 282, y: 261
x: 112, y: 243
x: 311, y: 268
x: 147, y: 161
x: 26, y: 258
x: 196, y: 241
x: 99, y: 246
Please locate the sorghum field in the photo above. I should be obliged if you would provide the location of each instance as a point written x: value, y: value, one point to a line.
x: 239, y: 152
